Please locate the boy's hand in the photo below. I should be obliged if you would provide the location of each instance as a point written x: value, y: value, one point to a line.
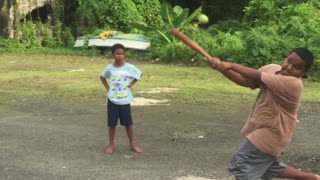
x: 132, y: 83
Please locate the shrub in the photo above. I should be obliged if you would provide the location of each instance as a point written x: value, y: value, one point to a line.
x: 176, y: 52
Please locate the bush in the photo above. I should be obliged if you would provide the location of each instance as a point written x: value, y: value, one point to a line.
x: 230, y: 26
x: 126, y: 13
x: 176, y: 52
x: 68, y: 38
x: 28, y: 36
x: 11, y: 46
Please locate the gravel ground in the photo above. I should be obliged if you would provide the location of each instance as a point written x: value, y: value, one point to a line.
x: 65, y: 140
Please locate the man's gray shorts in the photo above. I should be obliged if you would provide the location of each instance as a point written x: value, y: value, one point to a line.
x: 249, y: 163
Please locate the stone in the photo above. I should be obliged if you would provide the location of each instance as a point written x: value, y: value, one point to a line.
x: 9, y: 11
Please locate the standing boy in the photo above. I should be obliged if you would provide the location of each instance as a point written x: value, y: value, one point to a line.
x: 122, y: 76
x: 269, y: 129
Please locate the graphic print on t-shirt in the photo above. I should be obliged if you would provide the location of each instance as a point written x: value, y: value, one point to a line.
x: 120, y: 78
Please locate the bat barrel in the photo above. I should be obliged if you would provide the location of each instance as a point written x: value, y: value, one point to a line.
x: 189, y: 42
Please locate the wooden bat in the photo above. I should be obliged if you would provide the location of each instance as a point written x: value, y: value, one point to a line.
x: 189, y: 42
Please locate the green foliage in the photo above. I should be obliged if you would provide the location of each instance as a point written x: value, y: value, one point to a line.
x: 94, y: 14
x: 68, y: 39
x: 51, y: 34
x: 150, y: 10
x: 173, y: 17
x: 46, y: 36
x: 85, y: 19
x: 298, y: 24
x: 262, y: 10
x: 176, y: 52
x: 4, y: 7
x: 228, y: 46
x: 116, y: 14
x: 299, y: 21
x: 11, y: 46
x: 28, y: 36
x: 228, y: 26
x: 181, y: 19
x: 57, y: 11
x: 164, y: 45
x: 126, y: 13
x: 269, y: 29
x: 263, y: 45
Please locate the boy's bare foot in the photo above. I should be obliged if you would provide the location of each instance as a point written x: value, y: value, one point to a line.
x: 109, y: 149
x: 135, y: 148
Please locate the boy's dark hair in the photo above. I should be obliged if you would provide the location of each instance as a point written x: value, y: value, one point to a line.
x: 117, y: 46
x: 306, y: 56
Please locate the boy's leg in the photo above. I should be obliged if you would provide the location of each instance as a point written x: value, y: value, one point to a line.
x: 113, y: 115
x: 126, y: 120
x: 110, y: 147
x: 292, y: 173
x: 133, y: 145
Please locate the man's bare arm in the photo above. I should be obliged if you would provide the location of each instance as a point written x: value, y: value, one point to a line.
x: 239, y: 79
x: 250, y: 73
x: 232, y: 75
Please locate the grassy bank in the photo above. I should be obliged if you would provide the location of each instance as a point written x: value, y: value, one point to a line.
x: 76, y: 78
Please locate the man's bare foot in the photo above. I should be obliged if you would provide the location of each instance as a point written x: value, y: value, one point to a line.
x: 316, y: 177
x: 109, y: 149
x: 135, y: 148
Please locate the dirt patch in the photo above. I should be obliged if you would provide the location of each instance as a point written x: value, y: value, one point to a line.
x: 193, y: 178
x: 65, y: 140
x: 159, y: 90
x: 141, y: 101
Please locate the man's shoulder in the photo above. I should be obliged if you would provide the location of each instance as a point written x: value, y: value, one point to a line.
x: 271, y: 68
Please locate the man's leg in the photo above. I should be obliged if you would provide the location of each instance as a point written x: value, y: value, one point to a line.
x: 109, y: 149
x: 249, y: 163
x: 133, y: 145
x: 292, y: 173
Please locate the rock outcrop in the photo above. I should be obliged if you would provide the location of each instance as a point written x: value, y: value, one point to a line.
x: 11, y: 11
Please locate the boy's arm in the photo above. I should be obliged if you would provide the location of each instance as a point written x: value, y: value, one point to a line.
x: 132, y: 83
x: 104, y: 82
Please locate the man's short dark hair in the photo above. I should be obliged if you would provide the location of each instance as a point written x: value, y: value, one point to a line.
x: 306, y: 56
x: 117, y: 46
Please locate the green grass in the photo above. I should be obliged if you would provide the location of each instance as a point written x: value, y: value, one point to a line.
x: 48, y: 77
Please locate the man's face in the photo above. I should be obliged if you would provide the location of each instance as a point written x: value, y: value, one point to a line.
x: 293, y: 66
x: 119, y: 55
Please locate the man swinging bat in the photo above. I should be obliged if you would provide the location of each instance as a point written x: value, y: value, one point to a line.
x: 269, y: 129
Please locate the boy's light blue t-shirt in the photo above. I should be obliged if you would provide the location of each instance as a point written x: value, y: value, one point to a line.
x: 119, y: 78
